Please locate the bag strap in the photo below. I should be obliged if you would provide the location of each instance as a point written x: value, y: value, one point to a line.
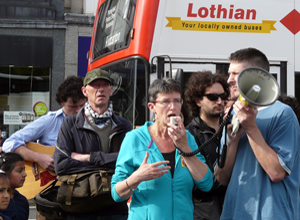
x: 49, y: 186
x: 116, y: 143
x: 105, y: 184
x: 71, y: 183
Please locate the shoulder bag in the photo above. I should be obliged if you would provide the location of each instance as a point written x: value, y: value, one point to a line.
x: 85, y: 192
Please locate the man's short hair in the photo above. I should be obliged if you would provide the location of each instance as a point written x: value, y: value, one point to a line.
x: 70, y: 87
x: 252, y: 56
x: 197, y: 85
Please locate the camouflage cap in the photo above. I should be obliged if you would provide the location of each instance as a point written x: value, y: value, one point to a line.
x: 96, y: 74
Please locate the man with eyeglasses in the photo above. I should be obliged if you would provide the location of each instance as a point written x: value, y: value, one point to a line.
x: 262, y: 167
x: 205, y: 95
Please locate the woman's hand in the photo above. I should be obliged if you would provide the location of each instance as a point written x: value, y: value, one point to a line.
x: 178, y: 135
x: 148, y: 171
x: 145, y: 172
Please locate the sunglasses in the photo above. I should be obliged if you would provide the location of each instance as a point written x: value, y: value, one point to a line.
x: 215, y: 97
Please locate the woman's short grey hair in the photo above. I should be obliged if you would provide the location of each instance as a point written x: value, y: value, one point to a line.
x: 165, y: 85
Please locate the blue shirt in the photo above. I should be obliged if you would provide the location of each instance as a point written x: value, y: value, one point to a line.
x: 43, y: 130
x: 251, y: 194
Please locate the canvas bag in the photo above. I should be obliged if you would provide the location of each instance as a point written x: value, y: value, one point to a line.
x: 85, y: 192
x: 46, y: 203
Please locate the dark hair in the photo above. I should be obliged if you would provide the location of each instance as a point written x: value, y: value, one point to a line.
x: 165, y: 85
x: 197, y: 85
x: 70, y: 87
x: 251, y: 56
x: 4, y: 177
x: 292, y: 102
x: 8, y: 161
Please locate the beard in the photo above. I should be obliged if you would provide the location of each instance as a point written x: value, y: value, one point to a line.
x: 213, y: 113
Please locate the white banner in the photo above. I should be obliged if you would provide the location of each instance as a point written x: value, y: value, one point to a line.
x: 17, y: 117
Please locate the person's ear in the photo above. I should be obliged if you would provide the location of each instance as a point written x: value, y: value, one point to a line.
x: 83, y: 89
x: 198, y: 102
x: 151, y: 107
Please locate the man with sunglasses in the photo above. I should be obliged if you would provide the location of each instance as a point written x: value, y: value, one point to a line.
x: 205, y: 95
x: 262, y: 168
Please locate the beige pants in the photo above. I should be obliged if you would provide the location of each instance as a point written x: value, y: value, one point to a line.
x: 39, y: 216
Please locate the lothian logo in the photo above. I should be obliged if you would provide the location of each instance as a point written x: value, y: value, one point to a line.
x: 292, y: 21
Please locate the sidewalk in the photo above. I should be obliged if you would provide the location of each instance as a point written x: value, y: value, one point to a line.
x: 32, y: 210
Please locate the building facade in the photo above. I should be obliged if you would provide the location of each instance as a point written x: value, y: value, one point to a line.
x: 41, y: 43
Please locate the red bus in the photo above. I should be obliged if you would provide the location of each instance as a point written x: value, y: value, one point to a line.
x: 137, y: 41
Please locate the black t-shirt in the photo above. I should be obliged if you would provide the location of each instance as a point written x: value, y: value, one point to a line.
x: 171, y: 158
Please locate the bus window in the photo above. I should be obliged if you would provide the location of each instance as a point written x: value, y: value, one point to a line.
x: 113, y: 27
x: 133, y: 83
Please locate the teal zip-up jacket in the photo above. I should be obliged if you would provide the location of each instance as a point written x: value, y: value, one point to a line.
x: 163, y: 198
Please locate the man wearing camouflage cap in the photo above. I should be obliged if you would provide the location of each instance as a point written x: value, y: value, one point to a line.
x: 91, y: 139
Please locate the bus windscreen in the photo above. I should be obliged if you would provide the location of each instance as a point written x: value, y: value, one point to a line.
x: 114, y: 26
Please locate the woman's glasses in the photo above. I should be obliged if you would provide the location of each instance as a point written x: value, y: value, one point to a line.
x: 215, y: 96
x: 167, y: 102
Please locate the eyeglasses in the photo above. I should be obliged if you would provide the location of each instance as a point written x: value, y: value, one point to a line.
x: 167, y: 102
x: 215, y: 96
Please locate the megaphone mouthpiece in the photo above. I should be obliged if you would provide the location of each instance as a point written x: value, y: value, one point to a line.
x: 253, y: 93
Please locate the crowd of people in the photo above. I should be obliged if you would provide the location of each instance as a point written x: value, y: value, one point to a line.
x: 166, y: 169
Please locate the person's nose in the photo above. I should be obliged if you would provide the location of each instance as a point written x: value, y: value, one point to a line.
x: 6, y: 194
x: 219, y: 100
x: 230, y: 79
x: 77, y: 108
x: 172, y: 104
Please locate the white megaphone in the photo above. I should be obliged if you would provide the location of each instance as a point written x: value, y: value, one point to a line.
x: 257, y: 88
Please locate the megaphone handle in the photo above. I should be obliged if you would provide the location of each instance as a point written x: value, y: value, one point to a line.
x: 236, y: 124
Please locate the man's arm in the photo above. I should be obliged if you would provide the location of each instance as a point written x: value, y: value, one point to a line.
x: 71, y: 154
x: 224, y: 174
x: 31, y: 133
x: 265, y: 155
x: 99, y: 158
x: 45, y: 161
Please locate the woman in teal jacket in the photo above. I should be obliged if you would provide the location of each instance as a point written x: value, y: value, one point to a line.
x: 149, y: 166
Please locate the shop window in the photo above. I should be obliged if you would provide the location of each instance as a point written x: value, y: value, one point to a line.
x: 20, y: 89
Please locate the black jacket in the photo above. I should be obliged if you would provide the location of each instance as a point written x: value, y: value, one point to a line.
x: 202, y: 133
x: 208, y: 205
x: 77, y: 135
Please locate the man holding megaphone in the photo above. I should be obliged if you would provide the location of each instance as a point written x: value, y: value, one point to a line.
x: 262, y: 168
